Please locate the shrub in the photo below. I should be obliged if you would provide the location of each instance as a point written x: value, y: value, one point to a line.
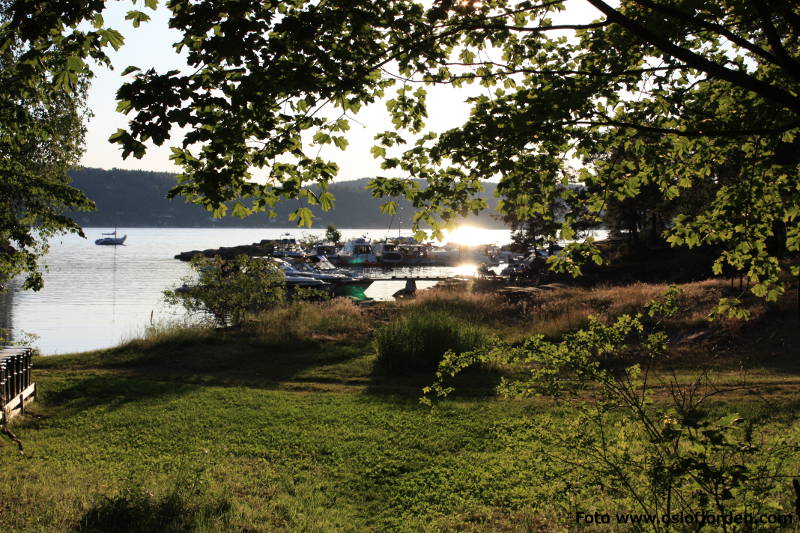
x: 230, y: 291
x: 622, y: 447
x: 417, y: 341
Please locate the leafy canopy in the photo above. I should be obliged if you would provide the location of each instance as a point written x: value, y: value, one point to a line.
x: 41, y: 137
x: 697, y: 95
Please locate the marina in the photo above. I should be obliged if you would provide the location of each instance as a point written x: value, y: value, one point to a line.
x: 97, y: 296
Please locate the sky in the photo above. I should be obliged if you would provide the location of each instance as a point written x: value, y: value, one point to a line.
x: 150, y: 46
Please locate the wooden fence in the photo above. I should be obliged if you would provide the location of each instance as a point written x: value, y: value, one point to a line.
x: 16, y: 387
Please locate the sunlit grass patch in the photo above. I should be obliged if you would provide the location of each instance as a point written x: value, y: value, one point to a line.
x: 468, y: 305
x: 304, y: 321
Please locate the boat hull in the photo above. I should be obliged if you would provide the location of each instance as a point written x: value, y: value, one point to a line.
x: 111, y: 241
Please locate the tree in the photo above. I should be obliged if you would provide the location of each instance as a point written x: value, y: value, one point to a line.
x: 532, y: 229
x: 228, y: 293
x: 332, y: 234
x: 42, y: 137
x: 708, y: 81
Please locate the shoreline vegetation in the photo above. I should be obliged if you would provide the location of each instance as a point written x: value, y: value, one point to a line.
x: 293, y: 422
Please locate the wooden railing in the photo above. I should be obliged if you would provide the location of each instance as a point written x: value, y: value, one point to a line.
x: 16, y: 387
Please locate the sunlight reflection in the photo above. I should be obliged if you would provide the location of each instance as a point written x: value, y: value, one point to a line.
x: 465, y: 270
x: 470, y: 236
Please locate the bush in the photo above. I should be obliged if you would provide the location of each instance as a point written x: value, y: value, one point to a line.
x: 417, y: 341
x: 230, y: 291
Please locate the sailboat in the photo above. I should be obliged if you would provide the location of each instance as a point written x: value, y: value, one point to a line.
x: 114, y: 241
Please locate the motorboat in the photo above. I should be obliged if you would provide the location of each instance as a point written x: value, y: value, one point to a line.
x: 112, y: 240
x: 508, y: 257
x: 330, y: 276
x: 358, y: 252
x: 387, y: 253
x: 453, y: 255
x: 286, y: 247
x: 326, y: 250
x: 414, y: 254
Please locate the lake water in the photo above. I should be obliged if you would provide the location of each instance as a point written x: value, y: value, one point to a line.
x: 98, y: 296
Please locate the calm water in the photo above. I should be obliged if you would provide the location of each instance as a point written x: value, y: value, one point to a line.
x: 98, y: 296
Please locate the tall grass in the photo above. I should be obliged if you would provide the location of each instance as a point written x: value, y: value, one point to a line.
x: 470, y: 306
x: 418, y: 340
x: 556, y: 312
x: 167, y: 335
x: 303, y: 321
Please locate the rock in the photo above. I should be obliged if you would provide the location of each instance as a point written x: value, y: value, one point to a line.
x: 227, y: 252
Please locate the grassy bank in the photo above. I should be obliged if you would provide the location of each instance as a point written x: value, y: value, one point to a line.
x: 291, y: 425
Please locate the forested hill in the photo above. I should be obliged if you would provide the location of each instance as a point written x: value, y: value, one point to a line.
x: 136, y: 198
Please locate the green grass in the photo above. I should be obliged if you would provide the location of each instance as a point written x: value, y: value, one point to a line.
x: 259, y: 430
x: 106, y: 443
x: 418, y: 340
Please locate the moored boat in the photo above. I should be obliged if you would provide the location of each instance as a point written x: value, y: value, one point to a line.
x: 112, y: 241
x: 357, y: 252
x: 387, y: 253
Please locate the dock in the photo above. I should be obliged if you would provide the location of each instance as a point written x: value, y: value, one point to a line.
x: 16, y: 387
x: 423, y: 278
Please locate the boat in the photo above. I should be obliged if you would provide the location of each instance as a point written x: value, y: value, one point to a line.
x: 454, y: 255
x: 112, y: 241
x: 322, y: 271
x: 387, y: 253
x: 326, y: 250
x: 358, y: 252
x: 287, y: 247
x: 414, y: 254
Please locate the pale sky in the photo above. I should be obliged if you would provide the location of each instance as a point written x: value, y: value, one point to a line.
x: 150, y: 46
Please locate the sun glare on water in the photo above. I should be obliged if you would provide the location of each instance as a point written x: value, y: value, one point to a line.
x: 468, y: 235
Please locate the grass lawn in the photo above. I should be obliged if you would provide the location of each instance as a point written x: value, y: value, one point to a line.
x: 302, y: 431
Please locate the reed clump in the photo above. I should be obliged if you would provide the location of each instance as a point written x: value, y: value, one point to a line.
x: 417, y: 340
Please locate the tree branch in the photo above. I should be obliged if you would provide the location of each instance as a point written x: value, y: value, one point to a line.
x: 774, y: 40
x: 693, y: 60
x: 691, y: 133
x: 718, y: 28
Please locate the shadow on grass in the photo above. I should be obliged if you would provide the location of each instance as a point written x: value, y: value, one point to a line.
x: 158, y: 371
x: 474, y: 382
x: 108, y: 390
x: 135, y: 511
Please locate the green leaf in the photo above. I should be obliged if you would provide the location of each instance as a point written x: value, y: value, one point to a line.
x: 239, y: 210
x: 124, y: 106
x: 129, y: 70
x: 303, y: 215
x: 137, y: 17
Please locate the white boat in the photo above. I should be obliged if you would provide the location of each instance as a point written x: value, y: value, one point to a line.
x: 113, y: 241
x: 387, y: 253
x: 358, y: 252
x: 287, y: 247
x: 454, y: 255
x: 326, y: 250
x: 414, y: 254
x: 330, y: 275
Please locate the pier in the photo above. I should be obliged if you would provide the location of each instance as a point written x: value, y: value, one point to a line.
x: 16, y: 387
x: 423, y: 278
